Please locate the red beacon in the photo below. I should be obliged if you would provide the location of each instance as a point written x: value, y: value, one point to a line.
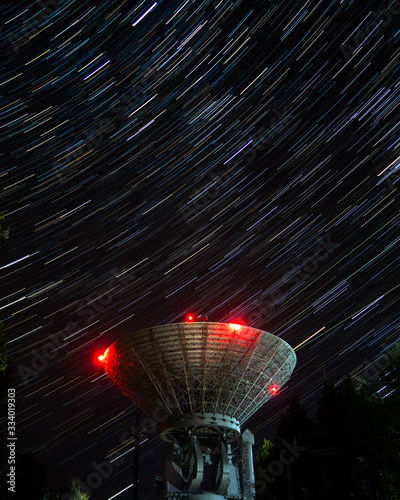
x: 191, y: 317
x: 100, y: 358
x: 274, y: 389
x: 236, y: 325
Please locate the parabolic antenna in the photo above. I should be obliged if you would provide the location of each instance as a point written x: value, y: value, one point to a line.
x: 208, y: 378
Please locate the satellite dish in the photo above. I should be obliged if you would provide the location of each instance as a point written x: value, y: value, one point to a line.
x: 202, y: 381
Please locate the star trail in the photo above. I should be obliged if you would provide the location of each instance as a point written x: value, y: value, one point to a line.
x: 233, y: 158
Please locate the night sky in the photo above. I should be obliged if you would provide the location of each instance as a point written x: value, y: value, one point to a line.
x: 234, y: 158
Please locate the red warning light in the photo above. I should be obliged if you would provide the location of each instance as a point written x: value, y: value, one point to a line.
x: 274, y: 389
x: 100, y: 358
x: 190, y: 318
x: 236, y: 324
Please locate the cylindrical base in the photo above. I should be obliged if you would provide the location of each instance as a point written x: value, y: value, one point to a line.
x: 206, y: 424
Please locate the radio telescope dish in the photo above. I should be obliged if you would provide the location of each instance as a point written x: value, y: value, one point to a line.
x: 205, y: 378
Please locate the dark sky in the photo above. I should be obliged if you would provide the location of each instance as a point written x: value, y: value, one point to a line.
x: 239, y: 159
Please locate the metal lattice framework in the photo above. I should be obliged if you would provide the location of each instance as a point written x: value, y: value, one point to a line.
x: 200, y: 368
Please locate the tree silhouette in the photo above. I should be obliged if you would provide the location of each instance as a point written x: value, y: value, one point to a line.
x: 283, y: 466
x: 68, y: 490
x: 350, y: 450
x: 390, y: 378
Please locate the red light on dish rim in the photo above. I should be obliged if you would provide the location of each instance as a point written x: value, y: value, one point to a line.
x: 190, y: 318
x: 100, y: 358
x: 236, y: 325
x: 274, y: 389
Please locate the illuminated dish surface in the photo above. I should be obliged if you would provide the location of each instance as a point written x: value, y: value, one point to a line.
x: 191, y: 369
